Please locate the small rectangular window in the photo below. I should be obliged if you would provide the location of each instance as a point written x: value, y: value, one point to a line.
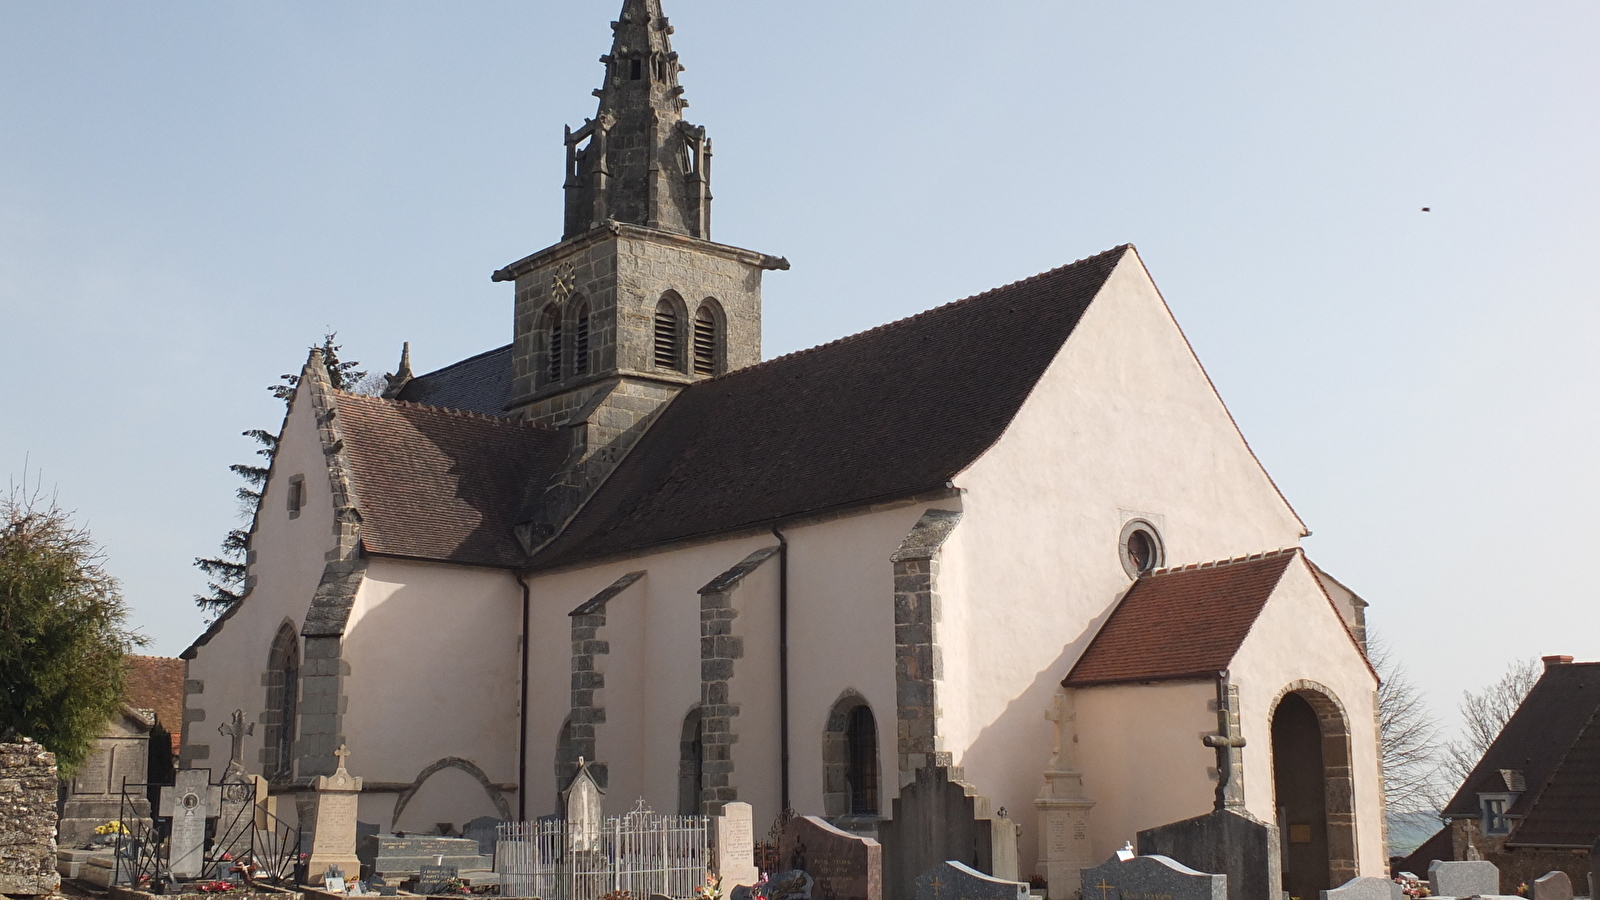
x: 638, y: 70
x: 297, y: 495
x: 1494, y: 817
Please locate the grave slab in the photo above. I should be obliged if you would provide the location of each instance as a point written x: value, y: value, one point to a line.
x: 1464, y: 878
x: 951, y: 880
x: 1151, y: 878
x: 736, y: 846
x: 1369, y: 888
x: 845, y: 866
x: 1553, y: 886
x: 1228, y: 841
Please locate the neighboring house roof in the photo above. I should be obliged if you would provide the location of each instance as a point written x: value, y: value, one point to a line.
x: 439, y: 484
x: 1534, y: 739
x: 156, y: 683
x: 480, y: 384
x: 1181, y: 623
x: 1566, y: 813
x: 888, y: 413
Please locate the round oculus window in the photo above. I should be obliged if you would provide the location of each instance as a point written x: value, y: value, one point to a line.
x: 1141, y: 548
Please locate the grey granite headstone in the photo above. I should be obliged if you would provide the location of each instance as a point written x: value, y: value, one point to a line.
x: 433, y: 878
x: 1553, y: 886
x: 1151, y: 878
x: 951, y: 880
x: 189, y: 802
x: 1369, y: 888
x: 940, y: 817
x: 1465, y: 878
x: 1229, y: 842
x: 486, y: 831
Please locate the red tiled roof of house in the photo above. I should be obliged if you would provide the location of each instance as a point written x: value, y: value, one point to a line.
x: 439, y: 484
x: 1535, y: 739
x: 156, y: 682
x: 1181, y: 623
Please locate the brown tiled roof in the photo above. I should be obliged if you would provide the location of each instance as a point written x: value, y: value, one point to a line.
x: 887, y: 413
x: 1441, y: 846
x: 438, y: 484
x: 1181, y: 623
x: 480, y: 384
x: 156, y: 682
x: 1535, y: 738
x: 1567, y: 812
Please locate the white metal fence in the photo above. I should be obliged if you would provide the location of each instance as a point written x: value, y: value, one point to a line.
x: 642, y: 853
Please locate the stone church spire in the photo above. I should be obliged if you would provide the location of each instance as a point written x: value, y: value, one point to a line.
x: 637, y: 161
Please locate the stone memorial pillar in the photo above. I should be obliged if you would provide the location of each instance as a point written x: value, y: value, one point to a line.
x: 189, y: 802
x: 736, y: 846
x: 1063, y: 807
x: 333, y: 838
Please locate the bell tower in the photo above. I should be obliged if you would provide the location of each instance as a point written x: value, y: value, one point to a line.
x: 636, y: 301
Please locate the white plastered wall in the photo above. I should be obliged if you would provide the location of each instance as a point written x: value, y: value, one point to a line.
x: 1299, y: 636
x: 1140, y: 747
x: 1124, y: 423
x: 841, y: 638
x: 289, y: 558
x: 433, y: 652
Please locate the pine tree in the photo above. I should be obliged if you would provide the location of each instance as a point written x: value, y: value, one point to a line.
x: 62, y: 633
x: 227, y: 570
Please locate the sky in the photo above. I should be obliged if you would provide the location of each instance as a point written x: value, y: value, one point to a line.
x: 191, y: 194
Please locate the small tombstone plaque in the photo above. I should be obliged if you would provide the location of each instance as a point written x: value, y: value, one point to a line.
x: 951, y: 880
x: 791, y: 885
x: 1465, y: 878
x: 433, y: 878
x: 382, y: 886
x: 1553, y: 886
x: 1151, y: 878
x: 845, y: 866
x: 1369, y: 888
x: 189, y: 802
x: 736, y: 846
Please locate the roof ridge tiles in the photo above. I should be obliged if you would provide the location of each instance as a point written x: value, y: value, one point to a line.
x: 1218, y: 563
x: 448, y: 411
x: 898, y: 323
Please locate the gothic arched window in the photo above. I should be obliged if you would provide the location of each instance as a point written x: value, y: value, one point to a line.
x: 667, y: 333
x: 707, y: 339
x: 691, y: 757
x: 283, y: 694
x: 861, y: 736
x: 553, y: 344
x: 580, y: 338
x: 850, y: 759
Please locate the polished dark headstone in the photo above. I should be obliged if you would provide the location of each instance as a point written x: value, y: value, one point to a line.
x: 951, y: 880
x: 1151, y: 878
x: 845, y: 866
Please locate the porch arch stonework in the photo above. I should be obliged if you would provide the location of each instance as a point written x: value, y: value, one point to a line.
x: 1338, y: 775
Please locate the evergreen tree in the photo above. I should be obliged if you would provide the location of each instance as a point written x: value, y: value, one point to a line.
x: 227, y: 570
x: 62, y: 633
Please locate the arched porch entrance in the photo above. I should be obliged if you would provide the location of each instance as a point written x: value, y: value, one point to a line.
x: 1313, y: 789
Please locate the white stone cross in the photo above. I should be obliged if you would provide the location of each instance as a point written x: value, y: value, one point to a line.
x: 189, y: 802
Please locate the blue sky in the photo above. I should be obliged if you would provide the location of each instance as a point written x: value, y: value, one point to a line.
x: 191, y: 193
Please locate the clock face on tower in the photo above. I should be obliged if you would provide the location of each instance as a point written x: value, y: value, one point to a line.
x: 562, y: 283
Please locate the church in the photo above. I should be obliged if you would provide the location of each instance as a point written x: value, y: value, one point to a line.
x: 627, y: 538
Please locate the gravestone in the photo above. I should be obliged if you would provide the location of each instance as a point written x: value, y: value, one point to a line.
x: 1369, y: 888
x: 1151, y: 878
x: 486, y: 831
x: 1553, y: 886
x: 240, y: 793
x: 844, y: 866
x: 939, y: 817
x: 736, y: 846
x: 1063, y: 806
x: 94, y: 796
x: 432, y: 878
x: 951, y: 880
x: 1228, y: 841
x: 1465, y: 878
x: 396, y: 857
x: 333, y: 835
x: 585, y: 806
x: 189, y: 802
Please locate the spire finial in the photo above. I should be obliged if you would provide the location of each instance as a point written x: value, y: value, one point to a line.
x: 402, y: 374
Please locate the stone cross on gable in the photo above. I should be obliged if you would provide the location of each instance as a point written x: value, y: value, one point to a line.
x: 237, y: 730
x: 1229, y: 744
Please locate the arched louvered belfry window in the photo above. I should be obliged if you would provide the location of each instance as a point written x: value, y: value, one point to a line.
x: 707, y: 340
x: 580, y: 338
x: 668, y: 332
x: 554, y: 345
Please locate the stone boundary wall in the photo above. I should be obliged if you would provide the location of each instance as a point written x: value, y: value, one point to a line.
x: 1521, y: 865
x: 28, y: 782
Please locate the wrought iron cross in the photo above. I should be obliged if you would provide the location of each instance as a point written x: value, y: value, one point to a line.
x: 1228, y: 742
x: 237, y: 730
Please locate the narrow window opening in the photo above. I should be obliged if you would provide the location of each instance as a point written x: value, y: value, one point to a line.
x: 553, y: 364
x: 666, y: 347
x: 705, y: 342
x: 297, y: 495
x: 862, y: 738
x: 580, y: 343
x: 637, y: 71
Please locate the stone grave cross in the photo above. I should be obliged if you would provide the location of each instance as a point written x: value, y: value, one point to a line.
x: 236, y: 730
x: 189, y: 802
x: 1228, y: 742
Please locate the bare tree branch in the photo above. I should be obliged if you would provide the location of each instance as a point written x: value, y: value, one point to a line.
x: 1409, y: 735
